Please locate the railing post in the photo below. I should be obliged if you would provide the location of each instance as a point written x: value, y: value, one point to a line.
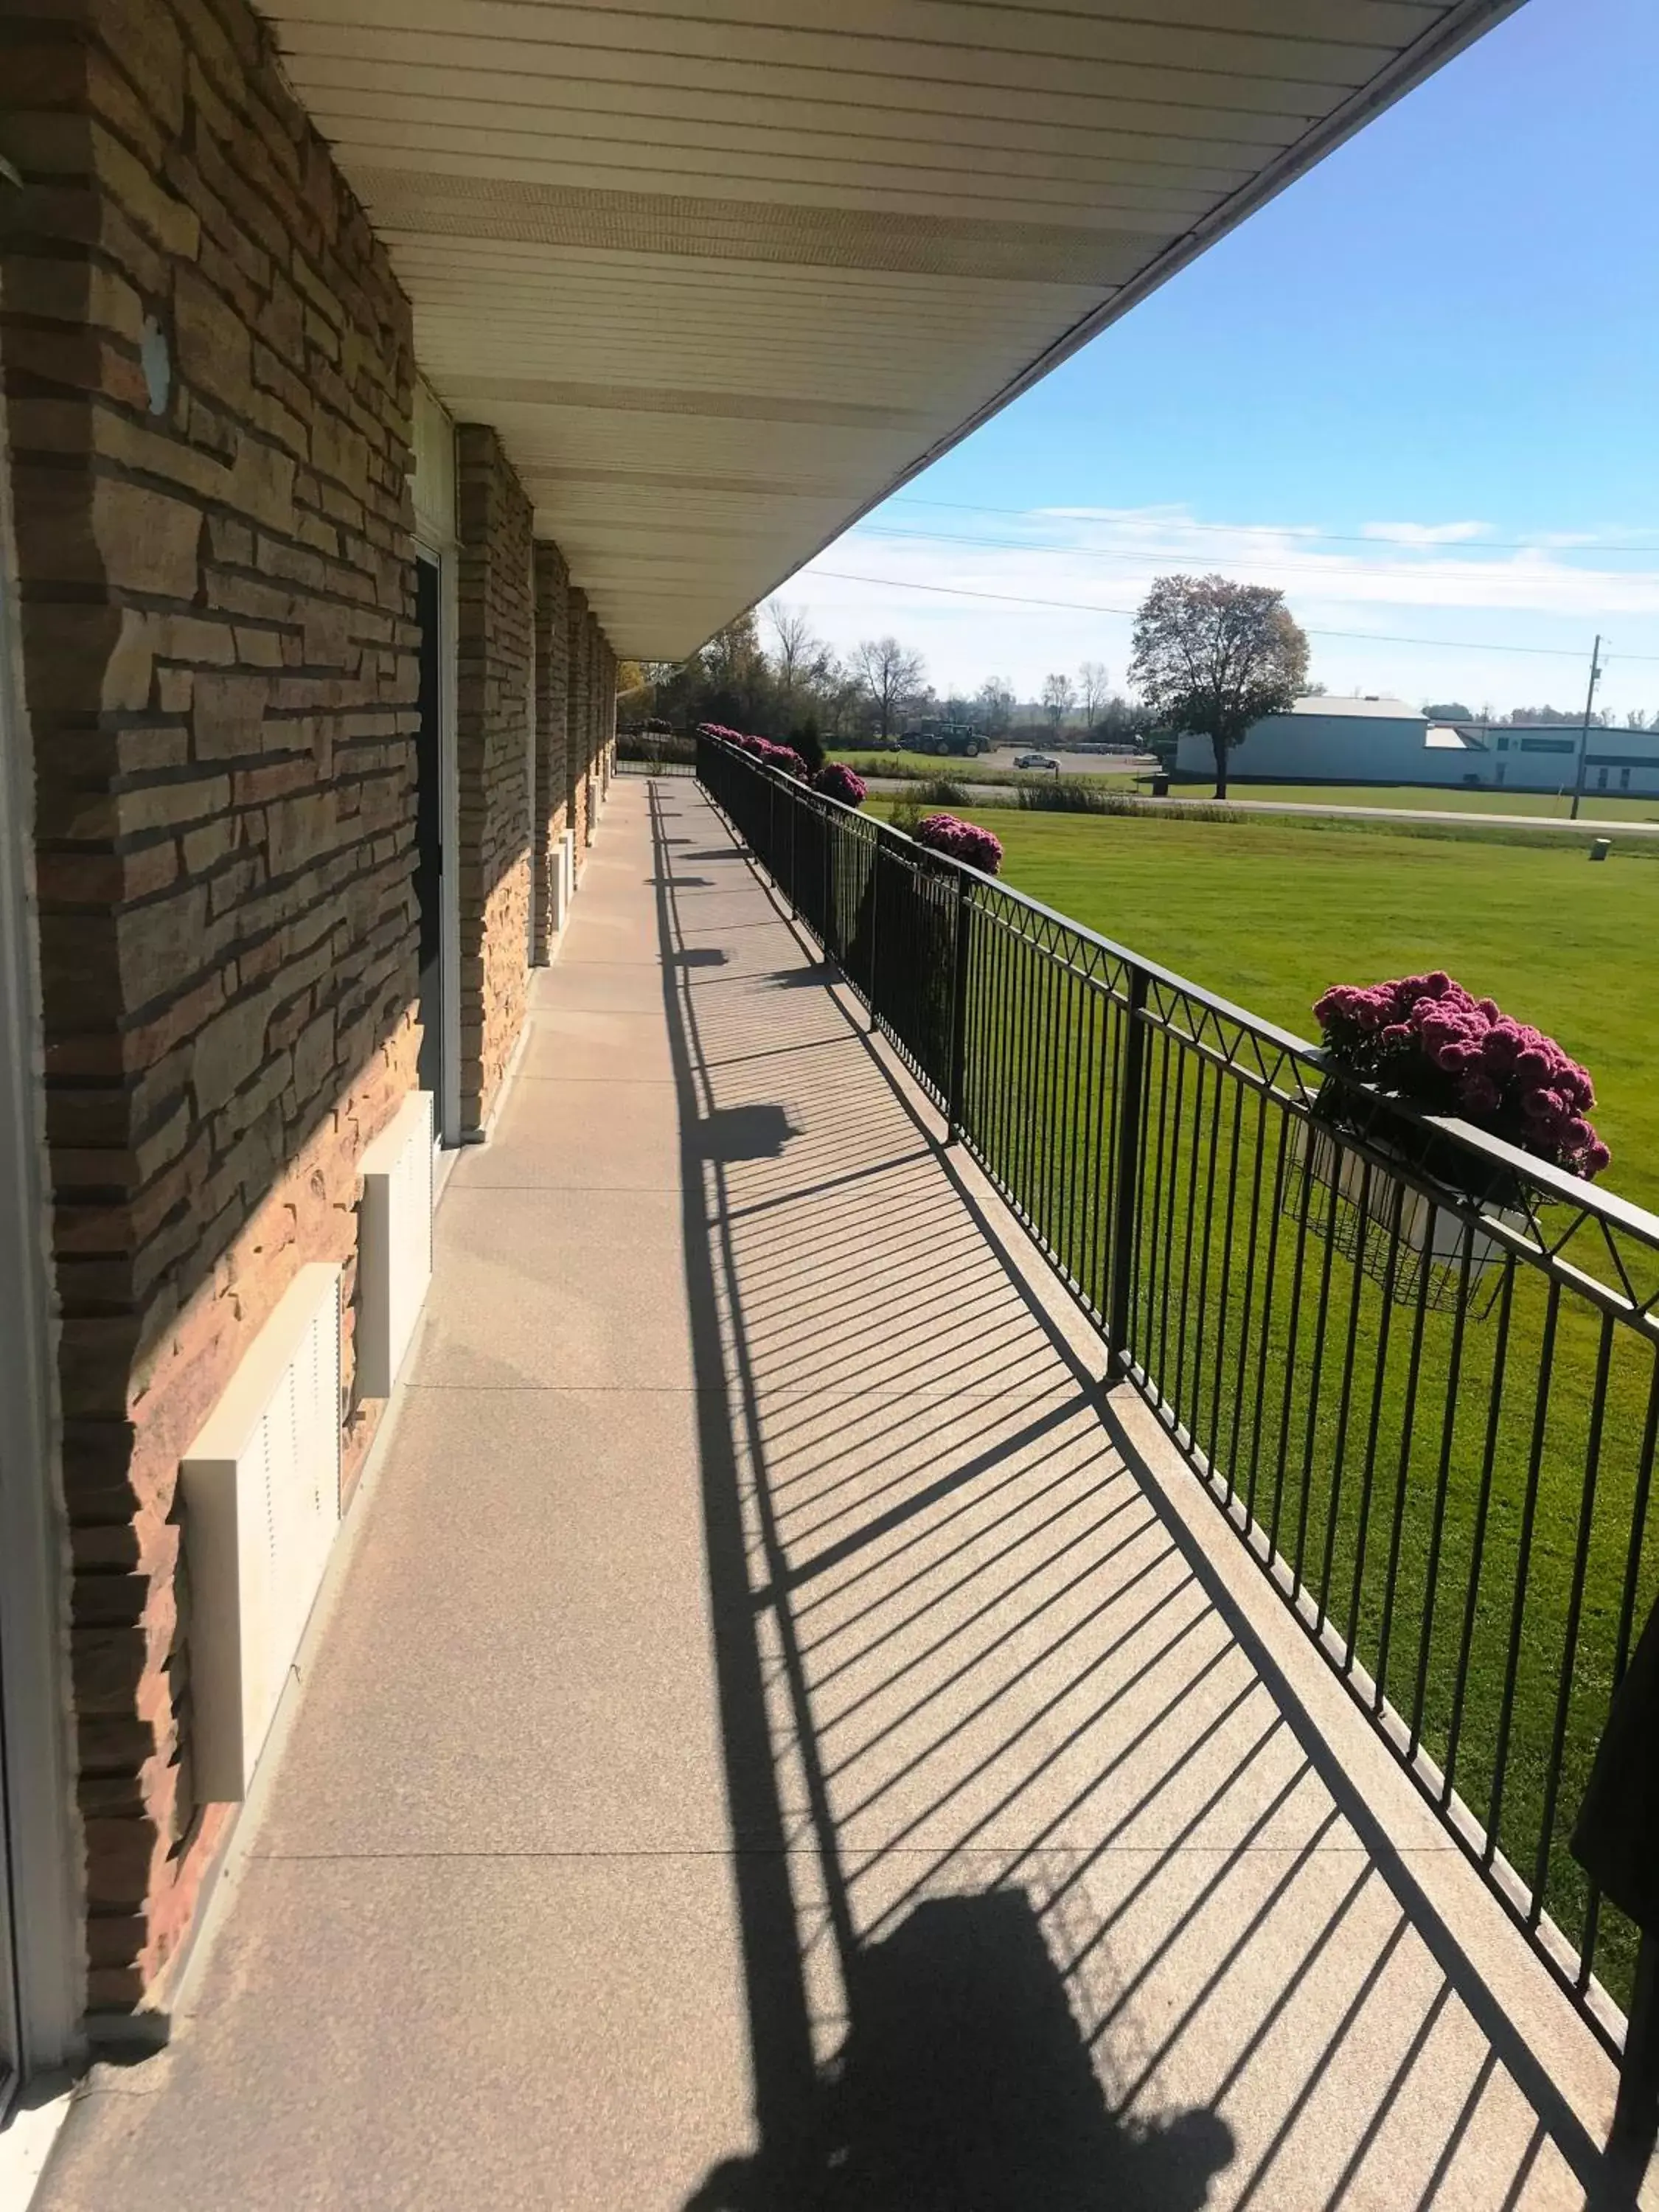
x: 954, y: 1097
x: 794, y: 810
x: 875, y: 911
x: 1126, y: 1176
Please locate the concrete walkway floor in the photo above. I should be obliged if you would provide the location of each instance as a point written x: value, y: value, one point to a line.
x: 782, y: 1739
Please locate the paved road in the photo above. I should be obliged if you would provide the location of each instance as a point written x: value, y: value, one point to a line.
x: 1463, y: 816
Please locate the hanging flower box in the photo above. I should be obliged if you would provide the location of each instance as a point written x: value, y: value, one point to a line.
x: 837, y: 781
x: 1391, y: 1229
x: 960, y: 841
x: 1424, y: 1042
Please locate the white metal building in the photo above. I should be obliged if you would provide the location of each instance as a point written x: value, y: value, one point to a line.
x: 1378, y: 740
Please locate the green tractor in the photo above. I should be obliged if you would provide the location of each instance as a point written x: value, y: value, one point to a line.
x: 960, y: 739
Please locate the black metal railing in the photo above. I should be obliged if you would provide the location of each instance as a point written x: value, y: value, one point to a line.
x: 653, y: 752
x: 1432, y: 1419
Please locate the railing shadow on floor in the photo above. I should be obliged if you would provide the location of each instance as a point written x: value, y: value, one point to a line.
x: 998, y: 1745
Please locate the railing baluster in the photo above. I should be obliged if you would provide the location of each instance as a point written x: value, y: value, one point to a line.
x: 1217, y: 1093
x: 1442, y: 1482
x: 1345, y: 1400
x: 1478, y: 1542
x: 1126, y: 1174
x: 1163, y: 1202
x: 1316, y: 1377
x: 1407, y: 1426
x: 963, y: 916
x: 1178, y: 1396
x: 1575, y: 1608
x: 1269, y: 1280
x: 1379, y: 1376
x: 1524, y: 1566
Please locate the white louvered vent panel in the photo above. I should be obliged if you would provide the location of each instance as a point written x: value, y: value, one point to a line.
x: 394, y: 1245
x: 262, y: 1502
x: 564, y: 878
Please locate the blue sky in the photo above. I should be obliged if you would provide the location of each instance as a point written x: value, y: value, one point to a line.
x: 1447, y: 331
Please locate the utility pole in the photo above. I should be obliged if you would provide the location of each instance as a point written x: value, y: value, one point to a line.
x: 1584, y: 735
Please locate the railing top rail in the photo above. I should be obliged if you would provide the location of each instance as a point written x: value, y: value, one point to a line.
x: 1550, y: 1181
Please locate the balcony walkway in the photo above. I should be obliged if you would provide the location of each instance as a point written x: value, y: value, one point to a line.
x: 761, y: 1646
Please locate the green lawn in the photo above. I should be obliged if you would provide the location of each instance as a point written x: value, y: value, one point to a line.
x: 1268, y: 912
x: 1418, y: 1470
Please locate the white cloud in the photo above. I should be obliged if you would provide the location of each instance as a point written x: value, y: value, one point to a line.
x: 1424, y: 533
x: 1423, y: 581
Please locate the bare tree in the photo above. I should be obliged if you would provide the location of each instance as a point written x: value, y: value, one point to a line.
x: 798, y: 653
x: 1058, y: 699
x: 1094, y: 687
x: 1213, y: 656
x: 890, y: 674
x: 995, y: 701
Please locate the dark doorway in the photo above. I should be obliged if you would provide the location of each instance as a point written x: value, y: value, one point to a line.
x: 429, y: 828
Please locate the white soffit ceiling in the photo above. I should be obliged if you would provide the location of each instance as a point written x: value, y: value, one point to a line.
x: 722, y: 276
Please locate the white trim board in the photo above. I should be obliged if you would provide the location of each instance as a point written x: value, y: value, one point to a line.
x: 42, y: 1844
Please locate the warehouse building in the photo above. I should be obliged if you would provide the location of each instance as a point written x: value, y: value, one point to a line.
x: 1380, y: 740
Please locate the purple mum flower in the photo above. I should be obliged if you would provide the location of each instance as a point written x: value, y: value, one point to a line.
x: 1426, y: 1039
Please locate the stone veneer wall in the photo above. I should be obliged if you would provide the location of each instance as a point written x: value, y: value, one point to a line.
x: 209, y: 372
x: 494, y: 652
x: 552, y: 734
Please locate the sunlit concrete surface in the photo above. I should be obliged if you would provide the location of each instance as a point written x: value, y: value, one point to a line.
x: 784, y: 1738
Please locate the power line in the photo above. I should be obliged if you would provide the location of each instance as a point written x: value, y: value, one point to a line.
x: 1094, y: 607
x: 1291, y: 530
x: 1144, y: 553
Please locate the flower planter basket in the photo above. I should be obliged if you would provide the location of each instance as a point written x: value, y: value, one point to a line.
x: 1419, y: 1045
x: 1369, y: 1220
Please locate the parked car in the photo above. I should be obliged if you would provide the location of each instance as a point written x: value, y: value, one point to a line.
x: 1036, y: 760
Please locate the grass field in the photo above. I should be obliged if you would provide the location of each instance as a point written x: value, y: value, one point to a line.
x: 1268, y: 912
x: 1453, y: 1471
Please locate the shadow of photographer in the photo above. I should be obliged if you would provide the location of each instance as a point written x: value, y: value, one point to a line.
x: 964, y: 2085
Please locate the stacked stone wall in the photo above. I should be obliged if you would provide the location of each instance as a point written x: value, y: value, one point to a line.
x: 552, y: 733
x: 209, y: 371
x: 494, y: 655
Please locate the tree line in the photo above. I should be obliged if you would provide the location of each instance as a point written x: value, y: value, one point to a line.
x: 786, y: 684
x: 1209, y: 658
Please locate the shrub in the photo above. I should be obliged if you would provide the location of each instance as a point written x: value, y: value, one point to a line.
x: 961, y: 840
x: 808, y: 744
x: 845, y: 784
x: 1067, y: 795
x: 1426, y: 1039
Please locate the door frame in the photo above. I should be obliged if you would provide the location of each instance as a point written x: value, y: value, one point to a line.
x: 39, y: 1879
x: 446, y: 1107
